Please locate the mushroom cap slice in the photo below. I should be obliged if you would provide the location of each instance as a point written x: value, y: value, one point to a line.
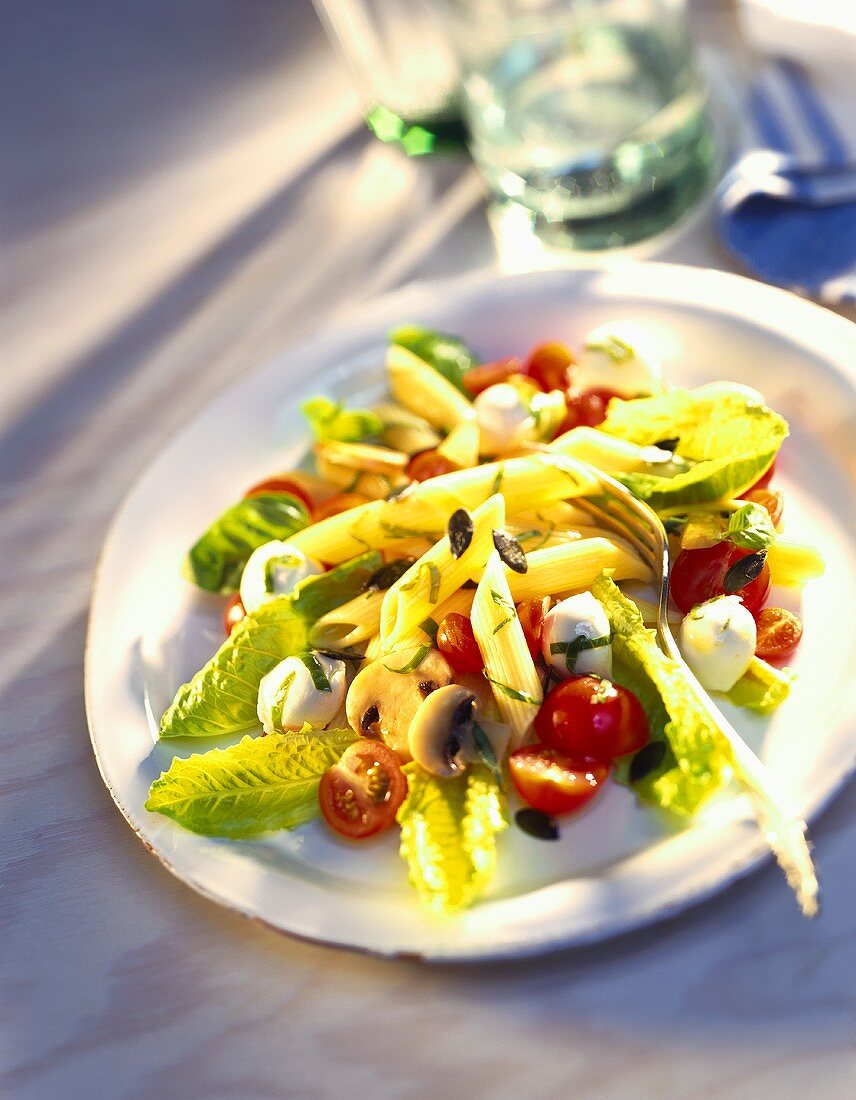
x: 382, y: 701
x: 442, y: 731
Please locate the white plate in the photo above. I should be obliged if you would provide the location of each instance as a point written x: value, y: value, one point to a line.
x: 617, y: 866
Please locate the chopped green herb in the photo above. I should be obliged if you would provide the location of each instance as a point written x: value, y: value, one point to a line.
x: 414, y: 662
x: 618, y: 350
x: 316, y: 671
x: 430, y: 627
x: 485, y: 751
x: 512, y: 693
x: 434, y: 581
x: 279, y: 701
x: 283, y: 561
x: 576, y: 646
x: 497, y: 481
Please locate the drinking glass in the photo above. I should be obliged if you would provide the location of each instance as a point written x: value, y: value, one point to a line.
x: 588, y: 117
x: 407, y: 71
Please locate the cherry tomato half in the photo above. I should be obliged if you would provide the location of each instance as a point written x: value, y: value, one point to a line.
x: 233, y: 612
x: 586, y: 410
x: 531, y: 614
x: 490, y: 374
x: 554, y: 783
x: 548, y: 365
x: 361, y: 794
x: 779, y: 632
x: 592, y: 719
x: 281, y: 485
x: 428, y: 464
x: 762, y: 482
x: 770, y: 499
x: 699, y: 575
x: 341, y: 502
x: 457, y: 643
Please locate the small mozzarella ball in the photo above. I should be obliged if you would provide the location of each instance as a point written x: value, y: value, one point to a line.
x: 302, y: 700
x: 577, y: 616
x: 616, y: 357
x: 717, y: 640
x: 273, y: 570
x: 503, y: 418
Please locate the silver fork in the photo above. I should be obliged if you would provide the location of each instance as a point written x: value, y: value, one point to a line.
x: 616, y: 508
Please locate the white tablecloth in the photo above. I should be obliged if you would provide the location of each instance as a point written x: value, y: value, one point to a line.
x: 186, y: 187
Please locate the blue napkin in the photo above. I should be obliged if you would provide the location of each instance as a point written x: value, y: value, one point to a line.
x: 787, y: 209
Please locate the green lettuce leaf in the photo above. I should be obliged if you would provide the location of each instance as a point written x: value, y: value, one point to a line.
x: 217, y: 559
x: 254, y: 787
x: 762, y: 688
x: 448, y: 355
x: 448, y: 834
x: 700, y: 760
x: 331, y: 420
x: 221, y: 698
x: 731, y: 440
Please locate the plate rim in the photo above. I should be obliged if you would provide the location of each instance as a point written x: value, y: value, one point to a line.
x: 360, y: 319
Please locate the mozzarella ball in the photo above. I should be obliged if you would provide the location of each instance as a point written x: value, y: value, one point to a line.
x: 730, y: 389
x: 577, y: 616
x: 717, y: 640
x: 273, y: 570
x: 503, y: 417
x: 616, y: 357
x: 301, y: 700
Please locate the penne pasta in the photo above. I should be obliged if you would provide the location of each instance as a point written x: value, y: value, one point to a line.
x: 436, y: 575
x: 527, y: 482
x: 608, y: 453
x: 458, y: 603
x: 508, y: 663
x: 361, y: 614
x: 574, y: 567
x: 793, y: 563
x: 461, y: 445
x: 424, y: 391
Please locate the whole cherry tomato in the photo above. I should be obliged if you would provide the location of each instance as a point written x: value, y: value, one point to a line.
x: 531, y: 614
x: 586, y: 410
x: 361, y: 794
x: 779, y: 632
x: 770, y: 499
x: 588, y: 718
x: 282, y: 485
x: 428, y: 464
x: 489, y: 374
x: 233, y: 612
x: 549, y: 365
x: 457, y: 643
x: 554, y: 783
x: 341, y: 502
x: 699, y: 575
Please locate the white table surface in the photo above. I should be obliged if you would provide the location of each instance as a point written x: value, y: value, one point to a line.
x: 188, y: 189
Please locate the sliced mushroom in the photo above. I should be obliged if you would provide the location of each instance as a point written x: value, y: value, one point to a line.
x: 441, y: 732
x: 382, y: 701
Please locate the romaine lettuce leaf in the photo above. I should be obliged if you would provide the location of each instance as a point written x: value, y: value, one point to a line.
x: 221, y: 698
x: 217, y: 559
x: 731, y: 440
x: 447, y: 354
x: 448, y: 834
x: 700, y: 759
x: 331, y: 420
x: 761, y: 688
x: 254, y: 787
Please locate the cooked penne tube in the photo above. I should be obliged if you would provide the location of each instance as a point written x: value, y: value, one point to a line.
x: 507, y: 661
x: 574, y: 567
x: 424, y: 391
x: 436, y: 575
x: 461, y: 445
x: 458, y: 603
x: 612, y: 455
x: 531, y: 481
x: 561, y: 515
x: 793, y: 563
x: 361, y: 614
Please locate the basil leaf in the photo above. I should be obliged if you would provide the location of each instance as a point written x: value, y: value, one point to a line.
x: 513, y: 693
x: 217, y: 559
x: 279, y: 702
x: 578, y: 645
x: 316, y: 671
x: 751, y: 526
x: 331, y: 420
x: 448, y: 355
